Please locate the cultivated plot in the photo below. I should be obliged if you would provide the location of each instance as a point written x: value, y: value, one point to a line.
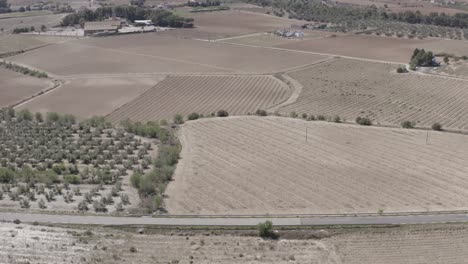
x: 255, y: 165
x: 375, y: 90
x: 15, y: 87
x: 9, y: 24
x: 87, y: 97
x: 17, y: 42
x: 151, y: 53
x: 205, y: 95
x: 389, y: 49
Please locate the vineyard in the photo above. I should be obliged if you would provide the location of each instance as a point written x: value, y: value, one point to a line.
x: 376, y: 91
x: 15, y: 87
x: 204, y: 95
x: 260, y: 165
x: 98, y: 96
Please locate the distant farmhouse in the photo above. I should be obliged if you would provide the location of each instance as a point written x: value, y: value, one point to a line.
x: 289, y: 33
x: 103, y: 27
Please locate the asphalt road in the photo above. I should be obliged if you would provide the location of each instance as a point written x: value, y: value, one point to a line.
x: 235, y: 221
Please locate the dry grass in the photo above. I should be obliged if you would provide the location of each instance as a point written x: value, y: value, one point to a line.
x: 254, y: 165
x: 12, y: 43
x: 204, y: 95
x: 9, y: 24
x: 15, y: 87
x: 377, y: 91
x: 87, y: 97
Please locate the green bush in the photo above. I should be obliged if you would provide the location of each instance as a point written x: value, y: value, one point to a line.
x: 193, y: 116
x: 261, y: 112
x: 135, y: 179
x: 436, y: 127
x: 6, y: 175
x: 363, y: 121
x: 321, y: 117
x: 265, y: 230
x: 72, y: 179
x: 178, y: 119
x: 401, y: 69
x: 222, y: 113
x: 337, y: 119
x: 407, y: 124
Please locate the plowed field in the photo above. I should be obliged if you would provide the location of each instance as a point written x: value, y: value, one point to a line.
x: 377, y: 91
x: 204, y: 95
x: 255, y: 165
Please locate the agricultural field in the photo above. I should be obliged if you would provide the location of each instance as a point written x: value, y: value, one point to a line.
x: 389, y: 49
x: 260, y: 165
x: 13, y: 43
x: 458, y: 68
x: 15, y: 87
x: 223, y: 24
x: 91, y: 96
x: 53, y: 163
x: 151, y: 53
x: 376, y: 91
x: 8, y: 24
x: 271, y: 40
x: 54, y: 245
x: 204, y: 95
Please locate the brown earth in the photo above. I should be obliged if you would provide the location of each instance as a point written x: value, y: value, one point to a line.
x: 151, y: 53
x: 422, y: 244
x: 377, y: 48
x: 16, y: 42
x: 375, y: 90
x: 36, y: 21
x: 205, y: 95
x: 87, y: 97
x: 255, y: 165
x: 15, y: 87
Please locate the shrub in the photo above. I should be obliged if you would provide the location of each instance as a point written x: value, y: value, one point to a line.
x: 436, y: 127
x: 41, y: 204
x: 401, y: 69
x: 265, y: 230
x: 304, y: 116
x: 363, y: 121
x: 6, y: 175
x: 133, y: 249
x: 83, y: 206
x: 293, y: 114
x: 193, y: 116
x: 321, y: 117
x: 72, y: 179
x: 337, y: 119
x: 178, y: 119
x: 135, y: 180
x: 407, y: 124
x: 311, y: 118
x: 222, y: 113
x: 261, y: 112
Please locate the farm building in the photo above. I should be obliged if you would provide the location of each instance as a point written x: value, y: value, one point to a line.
x: 106, y: 26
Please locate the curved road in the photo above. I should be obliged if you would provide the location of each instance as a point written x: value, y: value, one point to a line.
x: 236, y: 221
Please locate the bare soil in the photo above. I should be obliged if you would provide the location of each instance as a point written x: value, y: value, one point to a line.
x: 15, y: 87
x: 92, y: 96
x: 255, y: 165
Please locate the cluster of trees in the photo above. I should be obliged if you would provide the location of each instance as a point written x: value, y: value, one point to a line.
x: 4, y: 6
x: 317, y: 11
x: 205, y: 3
x: 161, y: 18
x: 23, y: 70
x: 422, y: 58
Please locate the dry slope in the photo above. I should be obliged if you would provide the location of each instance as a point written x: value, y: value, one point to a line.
x: 377, y: 91
x: 253, y: 165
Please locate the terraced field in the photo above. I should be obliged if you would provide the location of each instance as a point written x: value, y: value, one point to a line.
x: 204, y: 94
x: 377, y: 91
x: 255, y: 165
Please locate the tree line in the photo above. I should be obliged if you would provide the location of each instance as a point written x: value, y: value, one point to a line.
x: 316, y: 11
x: 161, y: 18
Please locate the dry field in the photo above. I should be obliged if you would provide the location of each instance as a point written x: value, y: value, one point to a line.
x: 255, y: 165
x: 222, y: 24
x: 87, y: 97
x: 423, y: 244
x: 377, y: 48
x: 204, y: 94
x: 37, y: 21
x: 12, y: 43
x: 15, y: 87
x: 151, y: 53
x: 270, y: 39
x: 375, y: 90
x: 407, y: 5
x: 455, y: 68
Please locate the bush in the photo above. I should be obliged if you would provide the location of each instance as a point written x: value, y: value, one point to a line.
x: 407, y: 124
x: 337, y: 119
x: 133, y: 249
x: 363, y: 121
x: 265, y: 230
x: 321, y: 117
x: 72, y: 179
x: 293, y: 114
x: 222, y: 113
x: 135, y: 180
x: 401, y: 69
x: 193, y: 116
x: 6, y: 175
x: 436, y: 127
x: 261, y: 112
x: 42, y: 204
x: 178, y: 119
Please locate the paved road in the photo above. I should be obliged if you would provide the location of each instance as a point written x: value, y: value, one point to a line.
x: 234, y: 221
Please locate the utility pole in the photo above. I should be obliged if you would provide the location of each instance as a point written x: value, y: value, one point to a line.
x: 306, y: 135
x: 427, y: 137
